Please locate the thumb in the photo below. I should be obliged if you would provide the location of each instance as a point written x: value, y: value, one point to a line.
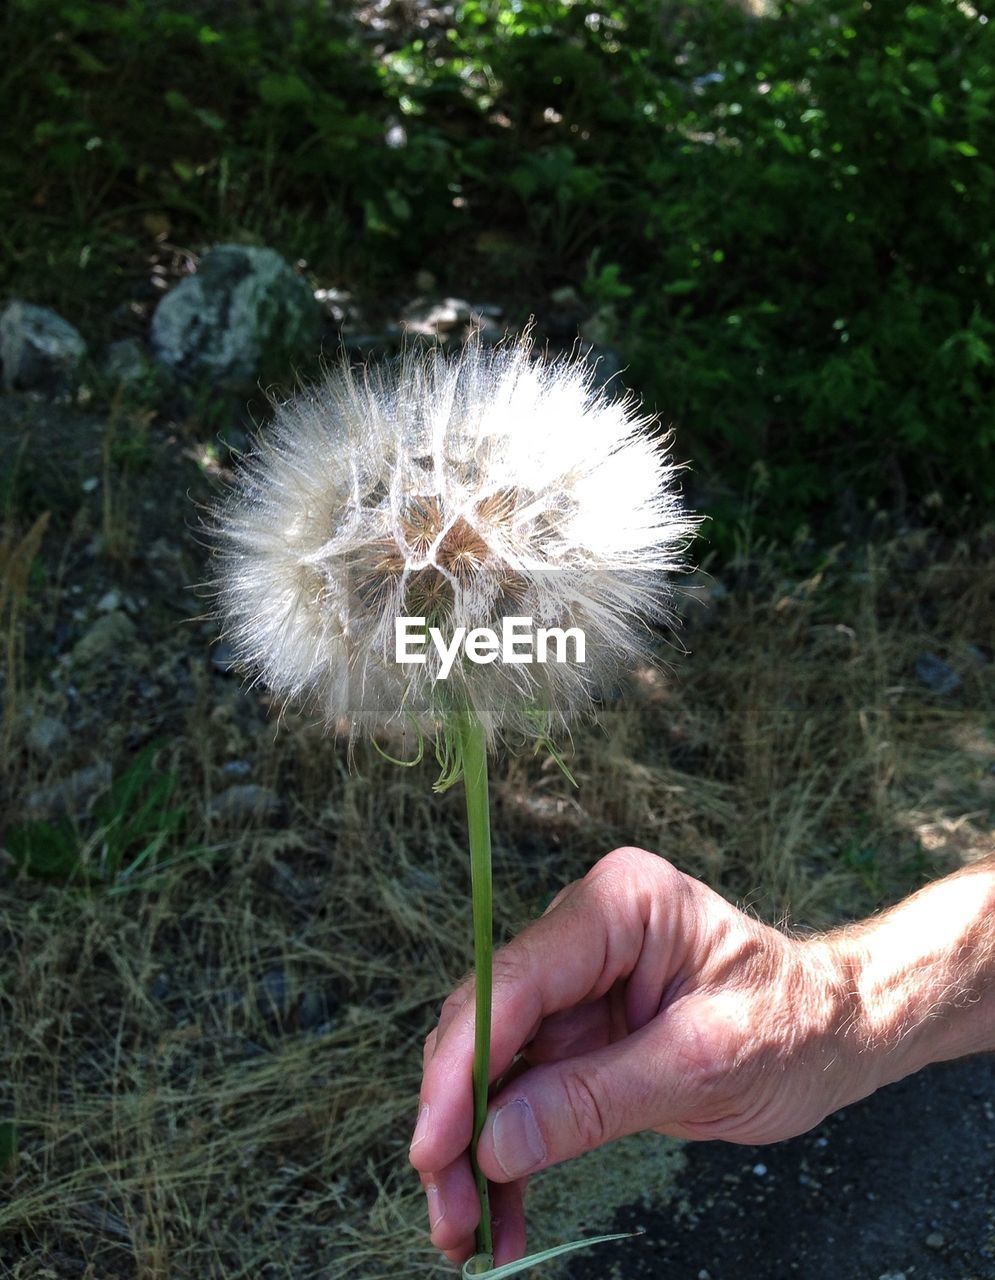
x: 556, y: 1111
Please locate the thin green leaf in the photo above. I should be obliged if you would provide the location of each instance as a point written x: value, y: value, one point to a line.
x: 404, y: 764
x: 523, y: 1264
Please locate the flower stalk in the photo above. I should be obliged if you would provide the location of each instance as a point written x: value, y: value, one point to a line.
x: 473, y: 749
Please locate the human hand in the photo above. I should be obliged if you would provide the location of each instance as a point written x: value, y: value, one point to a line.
x: 640, y: 1000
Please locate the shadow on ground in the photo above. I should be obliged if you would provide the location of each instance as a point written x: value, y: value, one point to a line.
x: 900, y: 1185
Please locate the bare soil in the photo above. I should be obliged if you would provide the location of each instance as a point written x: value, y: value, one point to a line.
x: 901, y: 1184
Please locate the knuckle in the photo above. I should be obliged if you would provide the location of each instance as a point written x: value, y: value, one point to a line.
x: 629, y: 862
x: 706, y: 1062
x: 586, y: 1110
x: 510, y: 966
x: 455, y: 1001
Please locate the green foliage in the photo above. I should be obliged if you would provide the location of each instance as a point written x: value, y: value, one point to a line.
x: 129, y: 828
x: 789, y: 211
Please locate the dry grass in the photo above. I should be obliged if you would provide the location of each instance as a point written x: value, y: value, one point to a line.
x: 214, y: 1073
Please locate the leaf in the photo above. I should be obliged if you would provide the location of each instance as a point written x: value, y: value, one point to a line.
x: 523, y: 1264
x: 44, y: 848
x: 284, y: 89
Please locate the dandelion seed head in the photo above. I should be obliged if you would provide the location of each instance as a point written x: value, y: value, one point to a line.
x: 462, y: 489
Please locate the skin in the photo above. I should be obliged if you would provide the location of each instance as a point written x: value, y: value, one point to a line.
x: 643, y: 1000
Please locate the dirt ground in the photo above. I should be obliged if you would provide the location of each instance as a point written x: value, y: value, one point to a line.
x: 899, y: 1185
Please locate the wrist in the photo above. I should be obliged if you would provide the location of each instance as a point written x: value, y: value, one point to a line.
x: 921, y: 979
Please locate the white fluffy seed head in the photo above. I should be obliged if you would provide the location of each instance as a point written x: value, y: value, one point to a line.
x: 462, y: 489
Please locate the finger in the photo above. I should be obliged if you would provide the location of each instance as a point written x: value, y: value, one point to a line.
x: 508, y: 1220
x: 560, y: 1110
x: 561, y: 896
x: 571, y: 1033
x: 454, y: 1004
x: 453, y: 1205
x: 574, y: 954
x: 507, y: 1226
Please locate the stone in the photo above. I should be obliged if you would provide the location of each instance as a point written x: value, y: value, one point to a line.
x: 128, y: 363
x: 936, y: 675
x: 935, y: 1240
x: 39, y: 349
x: 108, y: 634
x: 434, y: 318
x: 334, y: 303
x: 109, y: 602
x: 45, y: 735
x: 70, y: 795
x: 451, y: 317
x: 601, y: 326
x: 223, y: 658
x: 565, y: 296
x: 243, y: 317
x: 316, y: 1010
x: 245, y: 802
x: 159, y: 987
x: 274, y: 994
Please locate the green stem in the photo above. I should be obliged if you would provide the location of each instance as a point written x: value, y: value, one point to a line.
x: 474, y: 753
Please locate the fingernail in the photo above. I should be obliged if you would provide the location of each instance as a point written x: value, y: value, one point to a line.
x: 436, y: 1207
x: 518, y: 1145
x: 421, y: 1128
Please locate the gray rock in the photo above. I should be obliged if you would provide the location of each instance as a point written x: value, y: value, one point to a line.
x: 38, y: 348
x: 244, y: 316
x: 159, y: 987
x: 245, y: 802
x: 316, y: 1010
x: 236, y: 769
x: 449, y: 316
x: 274, y: 994
x: 128, y: 363
x: 430, y: 318
x: 223, y: 658
x: 112, y: 632
x: 601, y: 326
x: 109, y: 602
x: 936, y: 675
x: 565, y: 296
x: 71, y: 795
x: 45, y: 735
x: 334, y: 303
